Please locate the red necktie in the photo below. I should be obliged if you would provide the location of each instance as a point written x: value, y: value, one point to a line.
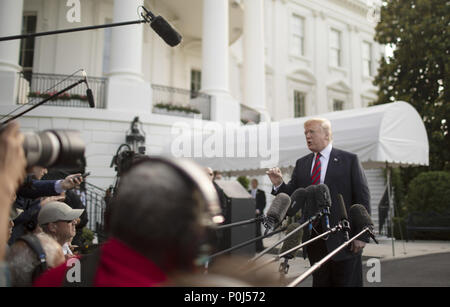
x: 315, y: 175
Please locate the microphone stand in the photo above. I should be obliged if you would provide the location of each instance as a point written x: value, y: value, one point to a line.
x: 226, y: 226
x: 310, y: 220
x: 317, y: 265
x: 246, y: 243
x: 43, y: 101
x: 339, y: 227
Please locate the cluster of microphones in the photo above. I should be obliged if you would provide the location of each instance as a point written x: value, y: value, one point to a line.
x: 314, y: 203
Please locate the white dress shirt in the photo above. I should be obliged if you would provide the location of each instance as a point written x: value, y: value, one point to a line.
x: 324, y: 158
x: 253, y: 192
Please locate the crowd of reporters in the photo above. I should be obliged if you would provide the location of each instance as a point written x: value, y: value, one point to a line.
x: 156, y: 234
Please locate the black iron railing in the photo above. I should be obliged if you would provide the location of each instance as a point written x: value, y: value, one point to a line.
x: 35, y: 87
x: 180, y: 102
x: 95, y: 207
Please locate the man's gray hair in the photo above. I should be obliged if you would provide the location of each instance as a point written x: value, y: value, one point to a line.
x: 325, y: 124
x: 22, y: 260
x: 157, y: 212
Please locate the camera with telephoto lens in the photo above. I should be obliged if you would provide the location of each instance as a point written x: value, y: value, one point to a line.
x: 54, y: 148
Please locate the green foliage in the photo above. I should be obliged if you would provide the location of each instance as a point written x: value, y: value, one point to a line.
x: 418, y: 72
x: 172, y: 107
x: 429, y: 191
x: 87, y: 237
x: 244, y: 181
x: 64, y: 96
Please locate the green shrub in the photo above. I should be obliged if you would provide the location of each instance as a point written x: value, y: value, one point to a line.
x: 429, y: 191
x: 244, y: 181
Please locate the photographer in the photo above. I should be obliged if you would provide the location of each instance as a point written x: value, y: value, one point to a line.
x: 12, y: 173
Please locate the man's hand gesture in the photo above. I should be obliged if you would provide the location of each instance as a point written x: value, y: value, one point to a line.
x: 275, y: 176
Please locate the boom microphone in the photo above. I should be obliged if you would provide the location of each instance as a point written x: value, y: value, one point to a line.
x: 277, y: 211
x: 89, y: 95
x: 360, y: 219
x: 323, y: 200
x: 311, y: 207
x: 298, y: 199
x: 163, y: 28
x: 342, y: 216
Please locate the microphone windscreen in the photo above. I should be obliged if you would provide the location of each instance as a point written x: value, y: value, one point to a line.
x: 323, y: 198
x: 342, y: 214
x: 292, y: 241
x: 310, y: 208
x: 165, y: 31
x: 359, y: 218
x: 298, y: 199
x: 90, y: 98
x: 278, y: 208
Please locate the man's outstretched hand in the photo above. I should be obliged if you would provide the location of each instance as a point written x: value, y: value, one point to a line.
x: 275, y: 176
x: 71, y: 181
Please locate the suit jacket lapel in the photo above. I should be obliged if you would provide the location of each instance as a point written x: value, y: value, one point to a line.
x: 307, y: 171
x: 332, y: 165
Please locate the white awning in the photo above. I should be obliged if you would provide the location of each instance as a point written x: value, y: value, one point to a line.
x: 392, y: 133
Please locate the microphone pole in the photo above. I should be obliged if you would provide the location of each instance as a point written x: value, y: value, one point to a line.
x: 310, y: 220
x: 110, y: 25
x: 241, y: 223
x: 246, y: 243
x: 43, y: 101
x: 335, y: 229
x: 317, y: 265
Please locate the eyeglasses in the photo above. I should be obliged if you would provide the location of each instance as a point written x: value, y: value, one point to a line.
x: 68, y: 222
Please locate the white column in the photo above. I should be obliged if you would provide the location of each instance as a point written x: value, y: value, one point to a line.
x: 254, y: 56
x: 215, y: 65
x: 126, y: 88
x: 321, y: 63
x: 10, y: 24
x: 215, y: 77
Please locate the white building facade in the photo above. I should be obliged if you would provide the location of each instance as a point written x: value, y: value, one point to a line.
x: 246, y: 60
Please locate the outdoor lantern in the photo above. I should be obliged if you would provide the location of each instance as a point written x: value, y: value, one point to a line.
x: 136, y: 136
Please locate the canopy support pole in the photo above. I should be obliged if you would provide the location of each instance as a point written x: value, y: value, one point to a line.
x: 392, y: 211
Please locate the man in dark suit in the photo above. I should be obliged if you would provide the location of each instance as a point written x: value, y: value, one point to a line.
x: 342, y: 172
x: 260, y: 198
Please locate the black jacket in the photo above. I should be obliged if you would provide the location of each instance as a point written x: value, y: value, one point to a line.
x: 260, y: 200
x: 345, y: 176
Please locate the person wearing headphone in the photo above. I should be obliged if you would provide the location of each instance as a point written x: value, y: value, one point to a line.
x: 158, y: 224
x: 32, y: 255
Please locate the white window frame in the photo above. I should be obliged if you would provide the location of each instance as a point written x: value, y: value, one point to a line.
x: 367, y: 60
x: 305, y: 95
x: 338, y: 49
x: 299, y: 51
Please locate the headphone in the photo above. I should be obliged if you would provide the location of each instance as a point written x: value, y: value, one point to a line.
x: 35, y: 245
x: 195, y: 174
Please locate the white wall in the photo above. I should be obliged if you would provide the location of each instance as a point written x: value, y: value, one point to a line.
x: 103, y: 131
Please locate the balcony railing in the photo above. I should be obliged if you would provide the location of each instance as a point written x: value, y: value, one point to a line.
x: 180, y: 102
x: 95, y: 207
x: 37, y: 86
